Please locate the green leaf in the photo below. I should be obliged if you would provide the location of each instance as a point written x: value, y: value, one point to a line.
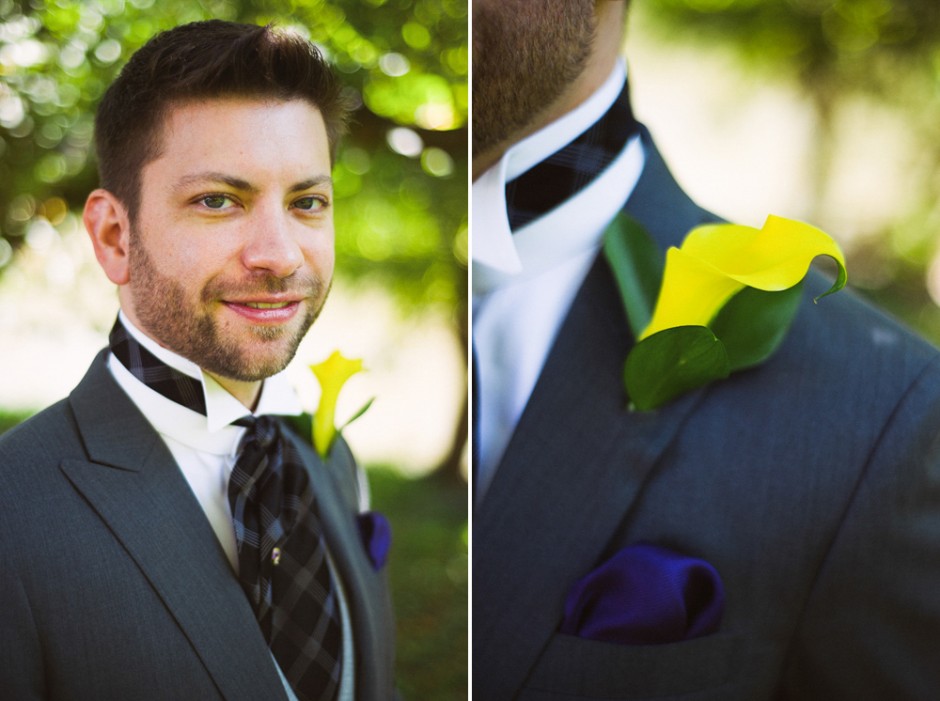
x: 362, y: 410
x: 753, y: 324
x: 300, y: 424
x: 672, y: 362
x: 637, y: 264
x: 841, y: 279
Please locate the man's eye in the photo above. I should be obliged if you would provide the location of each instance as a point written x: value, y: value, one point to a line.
x: 216, y: 201
x: 310, y: 204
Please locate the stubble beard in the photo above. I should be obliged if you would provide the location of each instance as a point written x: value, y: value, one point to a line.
x: 525, y: 55
x: 190, y: 330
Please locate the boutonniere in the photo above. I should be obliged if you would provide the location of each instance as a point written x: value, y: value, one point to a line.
x: 332, y: 374
x: 721, y: 302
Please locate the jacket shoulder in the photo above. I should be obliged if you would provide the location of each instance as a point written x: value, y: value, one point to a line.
x: 848, y: 338
x: 50, y: 434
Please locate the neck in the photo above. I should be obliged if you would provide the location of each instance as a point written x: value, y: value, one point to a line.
x: 248, y: 393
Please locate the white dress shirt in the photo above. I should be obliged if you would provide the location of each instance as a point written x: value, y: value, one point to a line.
x: 524, y: 282
x: 205, y: 448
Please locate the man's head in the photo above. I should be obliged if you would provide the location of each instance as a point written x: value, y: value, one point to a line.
x: 533, y: 60
x: 200, y: 61
x: 215, y: 216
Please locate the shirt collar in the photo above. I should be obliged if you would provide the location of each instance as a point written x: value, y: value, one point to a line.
x: 213, y: 432
x: 536, y: 147
x: 499, y: 256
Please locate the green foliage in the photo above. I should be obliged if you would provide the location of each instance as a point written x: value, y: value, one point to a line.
x: 637, y: 264
x: 671, y: 363
x: 832, y: 40
x: 401, y: 176
x: 9, y: 419
x: 428, y: 575
x: 753, y: 324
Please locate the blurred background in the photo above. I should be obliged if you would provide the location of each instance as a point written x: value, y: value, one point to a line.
x: 826, y: 111
x: 400, y: 297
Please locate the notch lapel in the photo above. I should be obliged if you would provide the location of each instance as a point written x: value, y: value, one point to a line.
x: 365, y: 589
x: 136, y: 488
x: 576, y: 463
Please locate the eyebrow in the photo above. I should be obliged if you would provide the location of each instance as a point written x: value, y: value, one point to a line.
x: 243, y: 185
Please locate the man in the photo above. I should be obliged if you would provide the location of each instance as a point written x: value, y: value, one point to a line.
x: 163, y: 536
x: 774, y: 536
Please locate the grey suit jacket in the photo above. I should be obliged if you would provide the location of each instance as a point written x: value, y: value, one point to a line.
x: 112, y: 582
x: 812, y: 484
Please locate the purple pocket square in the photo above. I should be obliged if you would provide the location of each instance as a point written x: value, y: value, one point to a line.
x: 645, y: 595
x: 376, y: 534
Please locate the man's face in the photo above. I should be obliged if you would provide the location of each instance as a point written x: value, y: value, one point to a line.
x: 525, y: 54
x: 231, y: 249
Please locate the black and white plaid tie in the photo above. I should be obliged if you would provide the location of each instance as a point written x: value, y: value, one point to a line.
x: 154, y: 373
x: 567, y: 171
x: 281, y: 553
x: 282, y: 560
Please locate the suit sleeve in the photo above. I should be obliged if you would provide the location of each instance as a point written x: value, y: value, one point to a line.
x: 21, y: 673
x: 870, y: 628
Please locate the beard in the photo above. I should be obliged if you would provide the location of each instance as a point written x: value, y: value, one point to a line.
x: 525, y: 55
x: 189, y: 329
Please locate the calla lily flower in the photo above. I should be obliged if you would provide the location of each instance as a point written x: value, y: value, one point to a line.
x: 332, y: 374
x: 716, y: 261
x: 723, y: 303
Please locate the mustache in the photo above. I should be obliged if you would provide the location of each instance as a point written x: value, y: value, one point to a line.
x: 301, y: 285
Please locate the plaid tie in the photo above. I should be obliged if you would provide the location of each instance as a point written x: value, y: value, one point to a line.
x: 281, y: 554
x: 282, y: 560
x: 567, y: 171
x: 154, y: 373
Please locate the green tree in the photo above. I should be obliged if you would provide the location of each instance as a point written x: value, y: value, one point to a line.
x: 401, y: 174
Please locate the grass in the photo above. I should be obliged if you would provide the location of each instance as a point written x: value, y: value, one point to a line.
x: 428, y: 576
x: 9, y: 419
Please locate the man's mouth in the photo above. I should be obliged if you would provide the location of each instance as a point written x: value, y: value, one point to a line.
x: 267, y: 305
x: 272, y: 312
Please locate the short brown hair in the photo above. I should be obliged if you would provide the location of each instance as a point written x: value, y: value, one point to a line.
x: 204, y: 60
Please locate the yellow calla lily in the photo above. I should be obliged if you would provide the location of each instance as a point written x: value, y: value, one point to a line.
x: 718, y: 260
x: 332, y: 374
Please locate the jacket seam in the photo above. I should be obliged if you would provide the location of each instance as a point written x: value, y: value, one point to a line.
x: 850, y: 503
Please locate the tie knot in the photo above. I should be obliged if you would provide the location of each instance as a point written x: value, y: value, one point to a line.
x: 262, y: 431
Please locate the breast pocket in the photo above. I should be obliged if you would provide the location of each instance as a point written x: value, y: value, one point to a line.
x: 572, y: 668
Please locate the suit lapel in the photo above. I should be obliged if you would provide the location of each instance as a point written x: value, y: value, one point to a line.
x: 135, y: 486
x: 365, y: 590
x: 577, y: 461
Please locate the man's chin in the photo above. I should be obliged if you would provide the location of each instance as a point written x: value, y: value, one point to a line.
x: 245, y: 351
x: 252, y: 354
x: 259, y: 363
x: 251, y: 370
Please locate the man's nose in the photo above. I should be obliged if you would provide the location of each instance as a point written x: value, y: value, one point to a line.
x: 271, y: 244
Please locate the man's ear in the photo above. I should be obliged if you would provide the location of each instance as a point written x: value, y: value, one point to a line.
x: 108, y: 225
